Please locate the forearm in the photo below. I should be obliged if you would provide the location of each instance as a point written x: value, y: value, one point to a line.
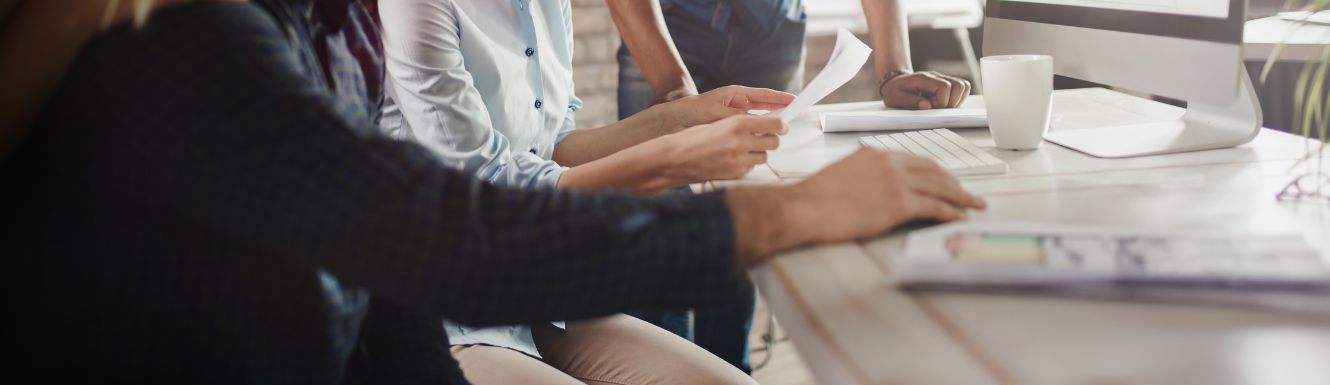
x: 889, y: 35
x: 898, y: 84
x: 763, y: 222
x: 636, y: 169
x: 643, y: 29
x: 590, y: 144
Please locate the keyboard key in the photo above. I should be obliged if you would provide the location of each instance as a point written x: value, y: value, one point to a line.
x: 951, y: 151
x: 969, y: 147
x: 965, y: 156
x: 940, y: 155
x: 891, y: 143
x: 872, y: 142
x: 910, y: 145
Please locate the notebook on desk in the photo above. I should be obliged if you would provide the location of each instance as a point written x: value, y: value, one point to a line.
x: 894, y: 120
x: 902, y: 120
x: 1054, y: 256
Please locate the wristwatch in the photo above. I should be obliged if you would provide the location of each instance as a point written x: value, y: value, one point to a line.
x: 890, y: 75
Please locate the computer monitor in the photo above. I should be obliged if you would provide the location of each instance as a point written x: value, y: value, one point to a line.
x: 1189, y: 50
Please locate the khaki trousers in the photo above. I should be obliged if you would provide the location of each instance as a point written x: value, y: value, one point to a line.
x: 615, y: 350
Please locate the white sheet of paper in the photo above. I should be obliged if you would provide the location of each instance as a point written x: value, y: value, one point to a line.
x: 903, y: 119
x: 847, y: 58
x: 1242, y: 259
x: 1022, y: 254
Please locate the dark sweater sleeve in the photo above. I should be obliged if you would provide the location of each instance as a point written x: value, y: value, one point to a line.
x: 240, y: 142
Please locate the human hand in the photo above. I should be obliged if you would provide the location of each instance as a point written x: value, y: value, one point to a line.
x: 727, y: 149
x: 715, y: 105
x: 873, y: 191
x: 924, y: 90
x: 676, y: 94
x: 865, y: 194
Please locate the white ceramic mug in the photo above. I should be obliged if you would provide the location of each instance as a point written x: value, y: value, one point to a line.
x: 1018, y: 93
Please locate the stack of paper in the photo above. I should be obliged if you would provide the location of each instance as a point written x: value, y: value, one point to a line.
x: 1272, y: 271
x: 1052, y: 256
x: 903, y: 120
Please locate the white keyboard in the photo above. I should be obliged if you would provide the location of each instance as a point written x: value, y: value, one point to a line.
x: 943, y: 146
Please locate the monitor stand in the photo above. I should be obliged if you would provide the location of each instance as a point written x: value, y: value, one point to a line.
x: 1202, y: 127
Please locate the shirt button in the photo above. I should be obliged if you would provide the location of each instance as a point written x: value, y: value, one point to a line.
x: 539, y: 104
x: 530, y: 52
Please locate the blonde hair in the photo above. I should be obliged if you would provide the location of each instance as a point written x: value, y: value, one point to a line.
x: 141, y: 10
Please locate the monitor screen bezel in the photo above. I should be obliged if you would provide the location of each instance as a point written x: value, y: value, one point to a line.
x: 1227, y: 30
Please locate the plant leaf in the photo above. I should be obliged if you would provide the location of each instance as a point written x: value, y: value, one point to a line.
x: 1300, y: 110
x: 1317, y: 101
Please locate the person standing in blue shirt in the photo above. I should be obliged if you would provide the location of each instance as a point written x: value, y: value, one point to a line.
x: 677, y: 48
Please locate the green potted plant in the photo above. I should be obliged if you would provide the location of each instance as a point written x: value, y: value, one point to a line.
x: 1311, y: 110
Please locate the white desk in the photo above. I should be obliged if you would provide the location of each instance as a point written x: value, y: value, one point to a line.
x: 1302, y: 42
x: 852, y: 327
x: 826, y: 16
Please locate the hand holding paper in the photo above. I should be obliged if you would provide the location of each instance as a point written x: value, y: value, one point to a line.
x: 849, y: 55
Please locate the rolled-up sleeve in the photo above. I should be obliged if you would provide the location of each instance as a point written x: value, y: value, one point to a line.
x: 439, y: 103
x: 570, y: 121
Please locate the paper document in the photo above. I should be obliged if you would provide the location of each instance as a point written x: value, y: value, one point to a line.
x: 847, y: 58
x: 1014, y: 254
x: 904, y: 119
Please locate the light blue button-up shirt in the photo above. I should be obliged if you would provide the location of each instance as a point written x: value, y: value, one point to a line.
x: 488, y: 86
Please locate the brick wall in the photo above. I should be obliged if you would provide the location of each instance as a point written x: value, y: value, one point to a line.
x: 595, y: 70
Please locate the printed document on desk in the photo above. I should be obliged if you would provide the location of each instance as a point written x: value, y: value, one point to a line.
x: 894, y: 120
x: 847, y: 58
x: 1053, y: 256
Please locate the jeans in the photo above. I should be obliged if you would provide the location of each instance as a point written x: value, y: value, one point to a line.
x: 723, y: 331
x: 716, y: 59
